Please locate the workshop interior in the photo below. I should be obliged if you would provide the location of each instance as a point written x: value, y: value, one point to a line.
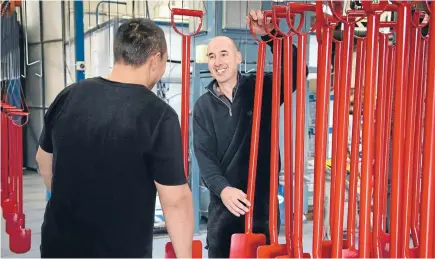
x: 356, y: 137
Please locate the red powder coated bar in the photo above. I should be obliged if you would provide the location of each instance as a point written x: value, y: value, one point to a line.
x: 380, y: 142
x: 354, y: 160
x: 185, y: 100
x: 185, y: 84
x: 255, y: 134
x: 324, y: 34
x: 388, y: 125
x: 342, y: 135
x: 368, y: 130
x: 411, y: 114
x: 402, y: 44
x: 274, y: 154
x: 288, y: 154
x: 418, y: 143
x: 427, y: 227
x: 337, y: 97
x: 185, y: 78
x: 299, y: 156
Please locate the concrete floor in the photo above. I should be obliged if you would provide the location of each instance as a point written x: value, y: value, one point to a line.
x: 34, y: 206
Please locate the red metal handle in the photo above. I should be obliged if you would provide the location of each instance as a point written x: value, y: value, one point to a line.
x: 300, y: 8
x: 337, y: 97
x: 354, y: 159
x: 409, y: 149
x: 280, y: 11
x: 251, y: 30
x: 419, y: 144
x: 299, y: 145
x: 427, y: 227
x: 388, y: 125
x: 342, y: 138
x: 368, y: 130
x: 255, y: 135
x: 187, y: 12
x: 380, y: 143
x: 268, y: 14
x: 322, y: 101
x: 288, y: 152
x: 401, y: 69
x: 274, y: 153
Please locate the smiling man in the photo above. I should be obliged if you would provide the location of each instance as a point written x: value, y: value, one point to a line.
x: 222, y: 123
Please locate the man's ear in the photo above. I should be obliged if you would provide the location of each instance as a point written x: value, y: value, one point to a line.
x: 155, y: 60
x: 239, y: 57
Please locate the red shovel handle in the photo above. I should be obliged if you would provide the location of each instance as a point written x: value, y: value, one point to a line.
x: 268, y: 14
x: 279, y: 11
x: 251, y: 30
x: 300, y: 9
x: 187, y: 12
x: 255, y: 134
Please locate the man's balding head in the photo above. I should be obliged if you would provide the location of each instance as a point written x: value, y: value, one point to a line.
x: 223, y: 58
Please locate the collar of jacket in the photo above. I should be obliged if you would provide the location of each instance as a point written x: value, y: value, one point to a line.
x: 240, y: 81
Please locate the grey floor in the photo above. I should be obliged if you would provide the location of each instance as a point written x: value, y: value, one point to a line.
x: 34, y: 206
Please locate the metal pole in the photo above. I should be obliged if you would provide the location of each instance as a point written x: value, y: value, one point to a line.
x: 79, y: 40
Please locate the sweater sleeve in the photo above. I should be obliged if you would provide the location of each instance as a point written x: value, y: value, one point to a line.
x: 205, y: 152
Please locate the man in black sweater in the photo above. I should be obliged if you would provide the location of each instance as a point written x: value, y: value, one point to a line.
x: 222, y: 123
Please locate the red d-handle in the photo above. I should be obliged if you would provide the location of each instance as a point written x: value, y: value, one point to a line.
x: 187, y: 12
x: 269, y: 14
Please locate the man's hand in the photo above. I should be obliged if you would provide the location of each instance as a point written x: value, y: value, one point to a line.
x: 235, y: 201
x: 256, y: 18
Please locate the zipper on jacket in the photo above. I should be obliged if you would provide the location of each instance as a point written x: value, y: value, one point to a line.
x: 229, y: 107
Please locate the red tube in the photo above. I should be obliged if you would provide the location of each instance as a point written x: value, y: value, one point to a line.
x: 380, y: 142
x: 187, y: 12
x: 274, y: 154
x: 403, y: 26
x: 337, y: 97
x: 427, y: 227
x: 411, y: 109
x: 299, y: 156
x: 324, y: 32
x: 368, y: 130
x: 416, y: 190
x: 288, y: 154
x: 418, y: 145
x: 342, y: 135
x: 185, y: 84
x: 255, y: 134
x: 387, y: 130
x: 354, y: 160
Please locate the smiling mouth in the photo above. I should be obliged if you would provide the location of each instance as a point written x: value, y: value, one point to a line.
x: 220, y: 71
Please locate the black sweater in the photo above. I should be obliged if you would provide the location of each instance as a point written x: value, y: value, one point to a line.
x: 222, y: 135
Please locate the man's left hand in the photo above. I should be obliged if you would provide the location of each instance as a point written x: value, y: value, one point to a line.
x: 256, y: 18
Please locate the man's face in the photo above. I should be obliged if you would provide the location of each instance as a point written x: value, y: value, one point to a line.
x: 223, y: 59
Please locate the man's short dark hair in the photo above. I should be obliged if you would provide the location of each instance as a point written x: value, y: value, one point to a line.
x: 136, y: 40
